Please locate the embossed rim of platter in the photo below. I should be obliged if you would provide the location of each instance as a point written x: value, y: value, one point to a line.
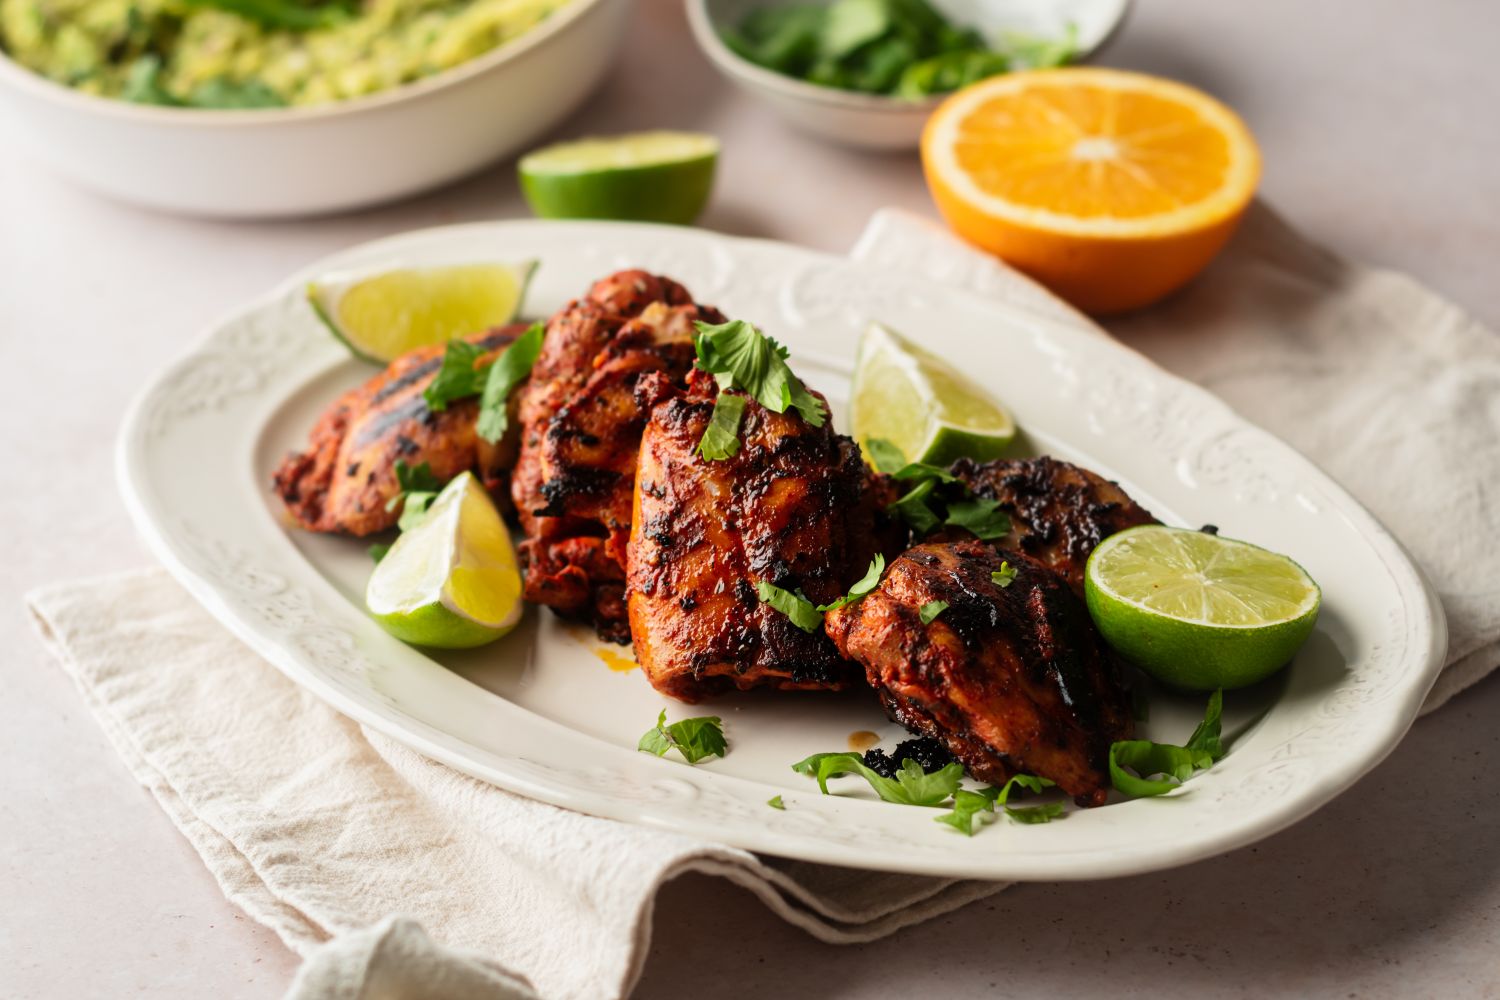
x: 238, y: 563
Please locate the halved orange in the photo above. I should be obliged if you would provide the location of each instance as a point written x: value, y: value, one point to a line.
x: 1111, y: 188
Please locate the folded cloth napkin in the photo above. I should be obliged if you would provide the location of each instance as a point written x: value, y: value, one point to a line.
x: 318, y: 828
x: 327, y: 833
x: 1394, y: 391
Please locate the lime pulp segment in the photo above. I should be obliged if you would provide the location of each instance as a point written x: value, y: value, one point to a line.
x: 1197, y: 577
x: 382, y: 316
x: 921, y: 404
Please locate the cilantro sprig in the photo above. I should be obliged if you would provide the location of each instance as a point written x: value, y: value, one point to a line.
x: 936, y: 496
x: 695, y: 738
x: 459, y: 378
x: 742, y: 359
x: 809, y: 616
x: 1133, y: 762
x: 929, y: 611
x: 910, y: 787
x: 978, y: 807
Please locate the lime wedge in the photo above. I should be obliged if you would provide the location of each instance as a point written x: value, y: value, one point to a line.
x: 648, y: 176
x: 452, y: 581
x: 1198, y: 611
x: 921, y: 404
x: 382, y: 316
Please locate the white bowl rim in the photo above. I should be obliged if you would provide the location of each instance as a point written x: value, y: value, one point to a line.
x: 48, y: 89
x: 737, y: 65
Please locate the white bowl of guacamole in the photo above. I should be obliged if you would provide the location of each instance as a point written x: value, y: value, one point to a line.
x: 253, y: 108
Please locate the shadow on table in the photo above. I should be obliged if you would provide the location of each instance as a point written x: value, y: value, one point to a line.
x: 1401, y: 869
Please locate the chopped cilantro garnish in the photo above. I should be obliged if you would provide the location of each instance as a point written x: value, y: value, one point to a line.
x: 721, y: 439
x: 457, y: 378
x: 1175, y: 764
x: 509, y: 370
x: 775, y: 803
x: 931, y: 610
x: 910, y: 787
x: 378, y: 551
x: 1004, y: 576
x: 861, y: 587
x: 695, y: 739
x: 980, y: 515
x: 969, y: 807
x: 914, y: 509
x: 890, y: 460
x: 419, y: 487
x: 804, y: 613
x: 741, y: 357
x: 794, y: 604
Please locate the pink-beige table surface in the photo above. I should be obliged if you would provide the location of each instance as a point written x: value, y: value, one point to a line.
x: 1381, y: 136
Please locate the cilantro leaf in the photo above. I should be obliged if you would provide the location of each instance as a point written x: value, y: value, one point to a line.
x: 775, y: 803
x: 794, y: 604
x: 1004, y: 576
x: 968, y: 807
x: 971, y: 806
x: 721, y: 439
x: 741, y: 357
x: 378, y: 551
x: 694, y: 738
x: 457, y: 378
x: 1206, y: 737
x: 851, y: 24
x: 1045, y: 813
x: 913, y: 508
x: 890, y: 460
x: 418, y: 488
x: 861, y: 587
x: 910, y: 787
x: 931, y: 610
x: 980, y: 515
x: 885, y: 456
x: 1174, y: 763
x: 655, y: 740
x: 500, y: 380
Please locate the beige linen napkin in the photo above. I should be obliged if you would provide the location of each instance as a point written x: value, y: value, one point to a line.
x: 317, y: 828
x: 1391, y: 389
x: 326, y: 832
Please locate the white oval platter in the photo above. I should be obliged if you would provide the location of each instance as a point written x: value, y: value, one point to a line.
x: 543, y: 714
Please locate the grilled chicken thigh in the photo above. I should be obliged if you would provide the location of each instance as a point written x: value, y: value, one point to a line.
x: 1012, y: 679
x: 581, y: 430
x: 792, y: 508
x: 1058, y: 511
x: 347, y: 476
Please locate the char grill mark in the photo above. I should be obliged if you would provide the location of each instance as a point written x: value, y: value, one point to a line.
x: 1058, y: 511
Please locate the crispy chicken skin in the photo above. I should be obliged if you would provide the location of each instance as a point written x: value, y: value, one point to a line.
x: 792, y: 507
x: 345, y: 478
x: 1058, y: 511
x: 1011, y: 679
x: 581, y: 430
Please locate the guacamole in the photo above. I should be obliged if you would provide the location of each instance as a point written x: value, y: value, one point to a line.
x: 254, y: 53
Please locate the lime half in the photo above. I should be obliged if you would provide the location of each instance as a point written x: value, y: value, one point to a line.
x: 382, y: 316
x: 1198, y: 611
x: 452, y: 581
x: 921, y: 404
x: 648, y: 176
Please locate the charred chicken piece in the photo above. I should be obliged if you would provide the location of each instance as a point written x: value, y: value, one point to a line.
x: 1058, y: 511
x: 346, y: 477
x: 581, y: 429
x: 1012, y: 679
x: 792, y: 507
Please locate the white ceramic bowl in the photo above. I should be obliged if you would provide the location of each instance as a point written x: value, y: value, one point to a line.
x: 872, y: 121
x: 303, y: 161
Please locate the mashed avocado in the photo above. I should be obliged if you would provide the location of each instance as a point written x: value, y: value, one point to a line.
x: 254, y: 53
